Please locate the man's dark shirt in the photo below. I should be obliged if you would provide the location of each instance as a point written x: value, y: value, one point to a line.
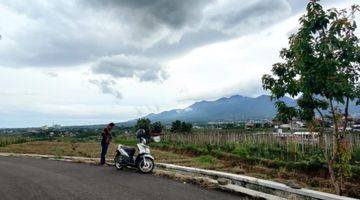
x: 106, y: 135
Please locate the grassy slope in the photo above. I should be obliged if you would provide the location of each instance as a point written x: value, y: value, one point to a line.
x: 88, y: 149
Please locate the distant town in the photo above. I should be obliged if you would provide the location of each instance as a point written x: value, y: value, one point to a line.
x: 294, y: 126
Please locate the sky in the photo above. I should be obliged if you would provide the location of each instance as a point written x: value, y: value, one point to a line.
x: 81, y: 62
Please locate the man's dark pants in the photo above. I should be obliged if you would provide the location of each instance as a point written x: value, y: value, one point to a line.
x: 104, y: 148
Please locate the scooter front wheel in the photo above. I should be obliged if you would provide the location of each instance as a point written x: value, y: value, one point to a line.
x: 118, y: 160
x: 146, y: 165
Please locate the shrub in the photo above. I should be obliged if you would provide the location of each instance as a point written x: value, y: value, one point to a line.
x: 241, y: 151
x: 355, y: 156
x: 181, y: 127
x: 205, y: 159
x: 228, y: 147
x: 355, y: 172
x: 156, y: 127
x: 209, y: 148
x: 273, y: 163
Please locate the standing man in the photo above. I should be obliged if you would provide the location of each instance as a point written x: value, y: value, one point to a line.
x: 105, y: 141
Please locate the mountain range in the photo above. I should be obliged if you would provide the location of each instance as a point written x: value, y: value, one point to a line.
x: 229, y: 109
x: 234, y: 108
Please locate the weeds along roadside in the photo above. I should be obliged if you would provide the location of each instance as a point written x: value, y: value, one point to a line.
x: 271, y: 156
x: 279, y: 158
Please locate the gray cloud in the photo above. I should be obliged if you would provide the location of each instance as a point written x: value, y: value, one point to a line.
x: 172, y: 13
x: 107, y: 87
x: 130, y: 66
x: 69, y: 33
x: 245, y: 16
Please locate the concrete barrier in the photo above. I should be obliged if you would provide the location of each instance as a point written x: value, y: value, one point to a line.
x: 257, y: 181
x: 249, y: 192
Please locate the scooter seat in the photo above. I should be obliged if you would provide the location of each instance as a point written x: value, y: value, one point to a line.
x: 130, y: 151
x: 129, y: 148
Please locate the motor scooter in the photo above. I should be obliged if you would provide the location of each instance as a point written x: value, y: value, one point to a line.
x: 143, y: 160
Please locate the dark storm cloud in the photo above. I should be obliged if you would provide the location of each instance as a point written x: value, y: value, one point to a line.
x: 62, y: 34
x: 172, y: 13
x: 224, y: 22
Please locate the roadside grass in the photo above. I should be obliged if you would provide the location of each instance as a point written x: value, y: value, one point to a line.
x: 65, y: 147
x: 207, y: 162
x: 84, y: 149
x: 270, y: 157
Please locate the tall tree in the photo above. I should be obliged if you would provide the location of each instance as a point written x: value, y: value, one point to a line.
x: 321, y: 66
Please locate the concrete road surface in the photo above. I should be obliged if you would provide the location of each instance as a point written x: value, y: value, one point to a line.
x: 29, y: 178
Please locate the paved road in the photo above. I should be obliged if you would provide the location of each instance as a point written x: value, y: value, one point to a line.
x: 29, y: 178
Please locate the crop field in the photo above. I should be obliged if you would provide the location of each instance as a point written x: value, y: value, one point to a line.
x: 285, y: 147
x: 271, y: 155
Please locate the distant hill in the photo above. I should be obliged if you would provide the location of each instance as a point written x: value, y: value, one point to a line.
x: 234, y: 108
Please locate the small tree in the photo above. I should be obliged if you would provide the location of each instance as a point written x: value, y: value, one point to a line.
x: 322, y: 66
x: 156, y: 127
x: 175, y: 126
x: 143, y: 123
x: 180, y: 127
x: 186, y: 127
